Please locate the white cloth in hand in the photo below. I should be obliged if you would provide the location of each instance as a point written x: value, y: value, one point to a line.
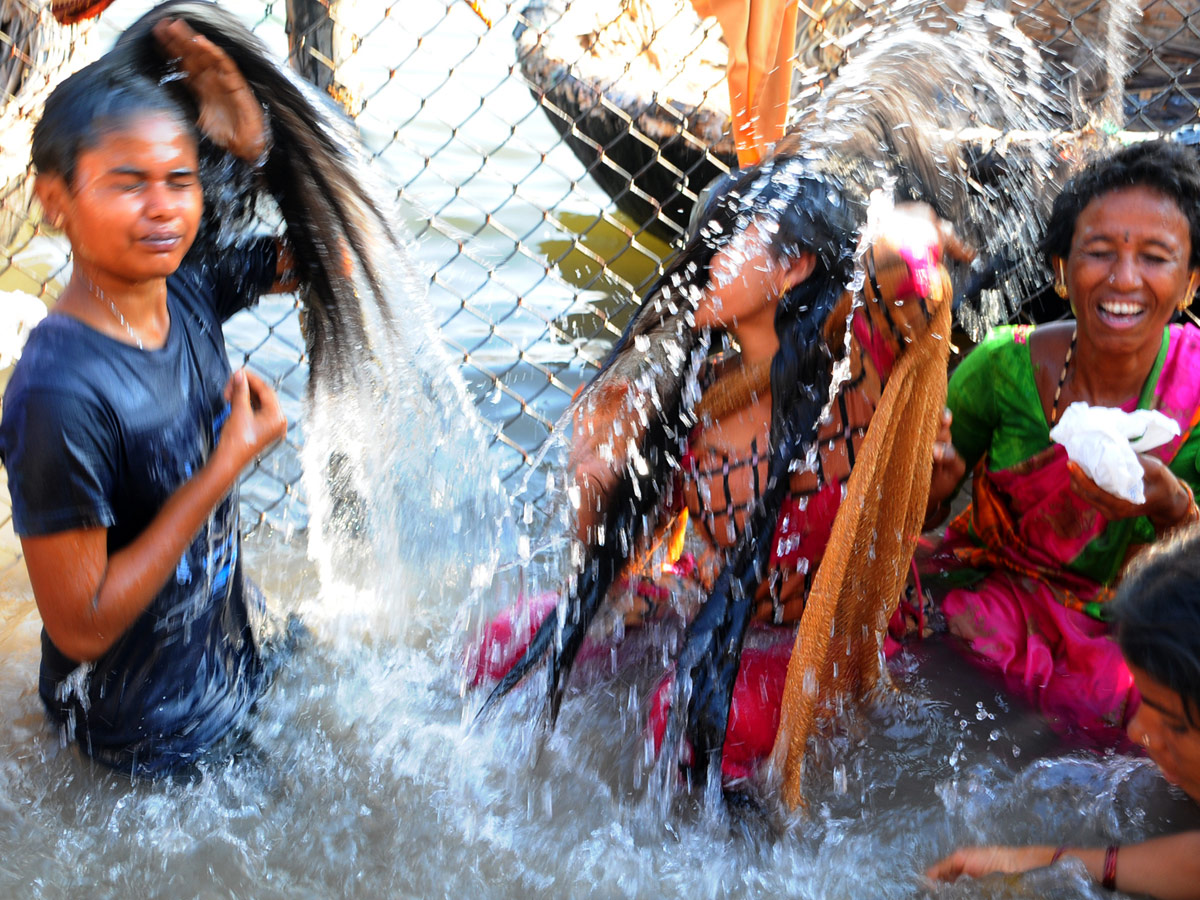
x: 1104, y: 442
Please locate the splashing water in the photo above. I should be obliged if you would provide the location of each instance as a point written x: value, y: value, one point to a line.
x: 360, y: 781
x: 966, y: 123
x: 969, y: 126
x: 407, y: 508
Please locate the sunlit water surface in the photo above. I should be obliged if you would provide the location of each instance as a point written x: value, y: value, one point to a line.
x: 362, y: 776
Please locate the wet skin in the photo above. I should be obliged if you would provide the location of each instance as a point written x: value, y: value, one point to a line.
x: 1161, y: 725
x: 134, y: 205
x: 746, y: 280
x: 131, y: 211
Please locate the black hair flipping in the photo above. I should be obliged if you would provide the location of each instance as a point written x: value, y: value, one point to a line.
x: 812, y: 214
x: 333, y: 225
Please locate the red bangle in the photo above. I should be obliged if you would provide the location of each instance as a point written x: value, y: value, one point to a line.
x: 1062, y: 848
x: 1109, y: 881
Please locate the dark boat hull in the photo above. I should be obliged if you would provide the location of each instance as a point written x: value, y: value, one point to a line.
x: 651, y: 159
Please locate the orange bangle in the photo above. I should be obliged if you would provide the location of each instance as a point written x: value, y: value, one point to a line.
x: 1193, y: 512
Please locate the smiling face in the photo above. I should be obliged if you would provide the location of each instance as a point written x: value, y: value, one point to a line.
x: 1128, y: 268
x: 133, y: 208
x: 1161, y: 726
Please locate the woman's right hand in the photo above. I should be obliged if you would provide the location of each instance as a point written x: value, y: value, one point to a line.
x: 976, y: 862
x: 905, y: 262
x: 255, y: 419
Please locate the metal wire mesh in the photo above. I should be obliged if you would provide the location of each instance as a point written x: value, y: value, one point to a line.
x: 543, y: 166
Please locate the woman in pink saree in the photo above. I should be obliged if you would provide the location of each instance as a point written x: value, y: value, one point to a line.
x: 1034, y: 558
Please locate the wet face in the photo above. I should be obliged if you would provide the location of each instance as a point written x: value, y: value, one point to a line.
x: 134, y: 206
x: 1128, y: 268
x: 746, y: 278
x: 1161, y: 726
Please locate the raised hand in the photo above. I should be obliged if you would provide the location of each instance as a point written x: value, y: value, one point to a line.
x: 904, y: 264
x: 230, y: 115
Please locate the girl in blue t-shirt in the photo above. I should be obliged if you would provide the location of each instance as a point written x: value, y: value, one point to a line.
x: 124, y: 430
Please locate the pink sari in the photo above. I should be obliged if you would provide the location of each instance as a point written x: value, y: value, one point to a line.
x: 1026, y: 617
x: 1037, y: 614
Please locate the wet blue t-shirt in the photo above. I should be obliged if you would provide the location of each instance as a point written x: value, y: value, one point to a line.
x: 97, y: 433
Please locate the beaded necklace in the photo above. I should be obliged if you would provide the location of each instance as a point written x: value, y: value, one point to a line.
x: 1062, y: 379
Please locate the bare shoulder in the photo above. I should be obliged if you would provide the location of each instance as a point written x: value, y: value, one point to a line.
x: 1048, y: 344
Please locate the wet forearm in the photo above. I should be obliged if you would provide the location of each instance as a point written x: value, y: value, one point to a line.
x: 1166, y: 867
x: 136, y: 573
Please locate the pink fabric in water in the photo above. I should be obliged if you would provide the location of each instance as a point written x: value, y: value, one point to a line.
x: 1063, y: 661
x: 506, y: 636
x: 753, y: 714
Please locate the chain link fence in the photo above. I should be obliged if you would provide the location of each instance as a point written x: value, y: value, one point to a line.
x: 544, y: 164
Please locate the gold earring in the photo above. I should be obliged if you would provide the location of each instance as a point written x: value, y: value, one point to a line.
x: 1060, y: 286
x: 1189, y: 294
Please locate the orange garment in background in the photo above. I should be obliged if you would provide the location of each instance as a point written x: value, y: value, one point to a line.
x: 761, y: 37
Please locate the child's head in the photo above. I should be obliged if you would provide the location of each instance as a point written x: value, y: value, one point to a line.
x: 118, y: 170
x: 96, y: 100
x: 1157, y: 613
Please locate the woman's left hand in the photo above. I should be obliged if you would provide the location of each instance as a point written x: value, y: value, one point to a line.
x: 949, y: 470
x: 1168, y: 501
x: 905, y: 262
x: 230, y: 115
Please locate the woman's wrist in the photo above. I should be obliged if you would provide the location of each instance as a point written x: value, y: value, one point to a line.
x: 935, y: 515
x: 1108, y: 877
x: 1182, y: 511
x: 225, y: 464
x: 258, y: 150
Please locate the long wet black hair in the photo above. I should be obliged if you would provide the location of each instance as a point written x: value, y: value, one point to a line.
x: 339, y: 236
x: 889, y: 124
x: 809, y: 212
